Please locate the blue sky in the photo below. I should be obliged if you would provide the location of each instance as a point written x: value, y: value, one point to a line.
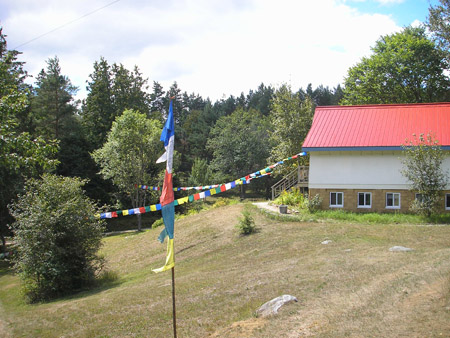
x: 403, y: 12
x: 214, y: 48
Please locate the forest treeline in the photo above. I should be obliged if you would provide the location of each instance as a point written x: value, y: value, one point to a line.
x: 215, y: 141
x: 111, y: 138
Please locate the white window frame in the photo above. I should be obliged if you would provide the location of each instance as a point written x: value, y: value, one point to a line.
x: 364, y: 206
x: 337, y: 205
x: 447, y: 196
x: 393, y: 199
x: 416, y: 196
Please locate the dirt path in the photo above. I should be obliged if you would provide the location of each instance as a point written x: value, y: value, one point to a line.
x: 267, y: 206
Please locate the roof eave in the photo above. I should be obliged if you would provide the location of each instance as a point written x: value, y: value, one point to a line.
x: 378, y: 148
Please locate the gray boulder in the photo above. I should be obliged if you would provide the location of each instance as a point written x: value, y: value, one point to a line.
x: 400, y: 249
x: 271, y: 307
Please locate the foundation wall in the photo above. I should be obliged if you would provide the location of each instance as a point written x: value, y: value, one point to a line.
x: 378, y: 199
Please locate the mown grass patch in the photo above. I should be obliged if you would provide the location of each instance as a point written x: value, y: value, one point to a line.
x: 363, y: 218
x: 352, y: 286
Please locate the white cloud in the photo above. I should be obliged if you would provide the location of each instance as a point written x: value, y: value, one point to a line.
x: 390, y: 2
x: 416, y: 23
x: 209, y: 47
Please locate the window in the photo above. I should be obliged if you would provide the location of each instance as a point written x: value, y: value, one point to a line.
x: 336, y: 199
x: 393, y: 200
x: 447, y: 201
x: 364, y: 200
x: 419, y: 197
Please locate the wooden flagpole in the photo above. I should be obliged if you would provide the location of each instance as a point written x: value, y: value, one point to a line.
x: 174, y: 314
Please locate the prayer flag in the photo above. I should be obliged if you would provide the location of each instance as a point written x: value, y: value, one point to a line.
x: 167, y: 196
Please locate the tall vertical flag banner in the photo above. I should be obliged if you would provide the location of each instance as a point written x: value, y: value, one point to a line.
x: 167, y: 195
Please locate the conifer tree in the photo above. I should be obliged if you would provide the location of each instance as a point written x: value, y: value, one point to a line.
x: 53, y: 104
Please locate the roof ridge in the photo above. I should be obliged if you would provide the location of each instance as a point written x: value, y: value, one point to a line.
x: 386, y: 105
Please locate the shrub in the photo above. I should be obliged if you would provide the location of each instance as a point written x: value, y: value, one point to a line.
x: 246, y: 225
x: 158, y: 223
x: 223, y: 201
x: 423, y: 167
x: 293, y: 197
x: 220, y: 202
x: 314, y: 204
x: 57, y: 237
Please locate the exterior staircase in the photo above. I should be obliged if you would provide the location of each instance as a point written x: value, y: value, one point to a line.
x: 296, y: 178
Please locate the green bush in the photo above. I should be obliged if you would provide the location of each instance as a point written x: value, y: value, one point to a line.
x: 57, y: 237
x: 246, y: 225
x: 223, y: 201
x: 158, y: 223
x: 292, y: 197
x: 314, y: 204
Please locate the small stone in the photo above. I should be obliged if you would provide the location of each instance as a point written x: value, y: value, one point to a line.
x: 400, y: 249
x: 272, y: 306
x: 327, y: 241
x: 347, y: 250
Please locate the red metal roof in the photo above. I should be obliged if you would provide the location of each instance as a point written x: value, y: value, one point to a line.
x: 376, y: 126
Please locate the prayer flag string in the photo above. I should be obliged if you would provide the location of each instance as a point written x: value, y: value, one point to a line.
x: 201, y: 195
x: 203, y: 187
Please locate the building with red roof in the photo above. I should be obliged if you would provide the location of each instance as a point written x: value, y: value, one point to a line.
x: 356, y: 153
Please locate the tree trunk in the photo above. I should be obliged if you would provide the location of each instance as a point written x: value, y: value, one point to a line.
x: 242, y: 190
x: 3, y: 243
x: 139, y: 222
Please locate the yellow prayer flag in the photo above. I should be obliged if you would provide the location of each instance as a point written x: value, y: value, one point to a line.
x: 183, y: 200
x: 170, y: 259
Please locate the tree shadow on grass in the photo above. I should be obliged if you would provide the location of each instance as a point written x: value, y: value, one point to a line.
x: 126, y: 233
x: 105, y: 281
x: 6, y: 268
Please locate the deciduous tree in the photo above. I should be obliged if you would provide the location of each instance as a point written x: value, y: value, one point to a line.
x: 405, y: 67
x: 201, y: 173
x: 291, y: 118
x: 438, y: 22
x: 422, y: 166
x: 239, y: 144
x: 21, y: 155
x: 129, y: 155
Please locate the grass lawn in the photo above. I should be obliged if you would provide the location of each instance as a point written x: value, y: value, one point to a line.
x: 353, y: 286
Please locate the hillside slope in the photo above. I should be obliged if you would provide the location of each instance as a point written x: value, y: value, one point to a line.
x: 353, y: 286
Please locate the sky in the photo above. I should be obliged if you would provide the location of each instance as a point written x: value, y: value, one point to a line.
x: 213, y: 48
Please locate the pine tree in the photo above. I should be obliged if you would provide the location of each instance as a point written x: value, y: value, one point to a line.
x: 53, y: 104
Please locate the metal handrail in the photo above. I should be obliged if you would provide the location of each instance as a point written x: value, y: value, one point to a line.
x: 299, y: 175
